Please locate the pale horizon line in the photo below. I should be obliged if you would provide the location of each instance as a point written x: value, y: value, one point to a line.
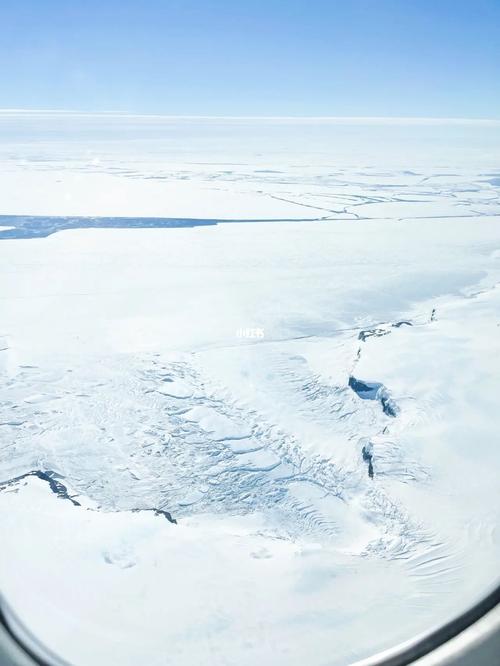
x: 397, y: 120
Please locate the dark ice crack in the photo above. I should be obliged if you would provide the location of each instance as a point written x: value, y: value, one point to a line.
x: 375, y: 391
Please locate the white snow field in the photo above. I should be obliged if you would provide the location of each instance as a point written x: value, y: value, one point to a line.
x: 249, y: 380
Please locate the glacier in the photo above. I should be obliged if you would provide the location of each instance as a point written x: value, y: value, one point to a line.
x: 249, y: 375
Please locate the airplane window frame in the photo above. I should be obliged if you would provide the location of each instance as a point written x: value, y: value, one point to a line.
x: 21, y: 648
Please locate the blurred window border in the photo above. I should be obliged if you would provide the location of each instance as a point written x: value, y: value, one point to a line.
x: 470, y: 639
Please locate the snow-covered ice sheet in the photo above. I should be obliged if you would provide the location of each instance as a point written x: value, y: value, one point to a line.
x: 246, y: 442
x: 105, y: 165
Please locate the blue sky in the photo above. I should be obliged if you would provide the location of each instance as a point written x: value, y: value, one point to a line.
x: 437, y: 58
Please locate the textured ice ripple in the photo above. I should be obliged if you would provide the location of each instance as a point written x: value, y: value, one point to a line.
x: 155, y: 433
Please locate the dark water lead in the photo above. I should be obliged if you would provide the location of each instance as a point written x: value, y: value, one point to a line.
x: 40, y: 226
